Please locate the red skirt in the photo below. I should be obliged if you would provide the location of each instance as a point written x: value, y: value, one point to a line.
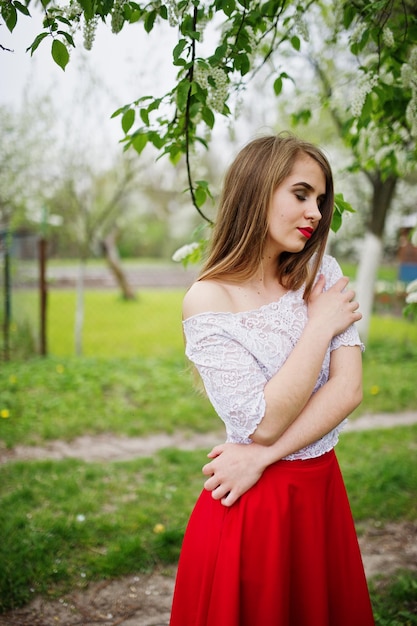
x: 285, y: 554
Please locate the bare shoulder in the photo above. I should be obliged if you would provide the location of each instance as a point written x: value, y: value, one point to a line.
x: 204, y: 296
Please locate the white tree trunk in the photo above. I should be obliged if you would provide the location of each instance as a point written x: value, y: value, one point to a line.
x: 365, y: 280
x: 79, y: 310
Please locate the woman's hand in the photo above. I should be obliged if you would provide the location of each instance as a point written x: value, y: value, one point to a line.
x: 235, y: 468
x: 334, y: 309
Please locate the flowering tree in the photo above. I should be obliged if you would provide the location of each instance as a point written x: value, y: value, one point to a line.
x: 379, y: 123
x: 248, y: 35
x: 372, y: 98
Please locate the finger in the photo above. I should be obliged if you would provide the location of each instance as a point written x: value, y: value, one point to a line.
x: 341, y: 284
x: 220, y: 492
x: 216, y: 451
x: 230, y: 498
x: 319, y: 286
x: 211, y: 483
x: 208, y: 469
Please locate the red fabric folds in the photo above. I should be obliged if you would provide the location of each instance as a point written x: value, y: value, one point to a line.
x: 286, y: 554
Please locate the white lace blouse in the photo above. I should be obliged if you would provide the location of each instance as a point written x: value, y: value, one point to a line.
x: 237, y: 353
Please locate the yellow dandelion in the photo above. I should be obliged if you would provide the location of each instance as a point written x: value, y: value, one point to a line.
x: 60, y: 369
x: 5, y: 413
x: 374, y: 390
x: 12, y: 379
x: 158, y: 529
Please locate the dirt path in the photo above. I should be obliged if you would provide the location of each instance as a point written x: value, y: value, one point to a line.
x: 109, y: 447
x: 145, y: 599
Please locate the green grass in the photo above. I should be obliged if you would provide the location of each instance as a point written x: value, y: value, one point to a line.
x: 65, y: 398
x: 387, y: 273
x: 66, y: 523
x: 147, y: 326
x: 139, y: 382
x: 395, y: 601
x: 390, y: 366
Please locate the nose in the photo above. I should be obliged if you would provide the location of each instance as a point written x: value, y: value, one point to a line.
x: 312, y: 211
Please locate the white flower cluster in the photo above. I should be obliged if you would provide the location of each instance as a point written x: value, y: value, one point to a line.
x: 377, y: 142
x: 217, y: 94
x: 388, y: 37
x: 409, y: 81
x: 184, y: 252
x: 173, y: 15
x: 356, y: 36
x: 301, y: 26
x: 366, y: 84
x: 411, y: 290
x: 72, y: 12
x: 117, y: 16
x: 89, y: 32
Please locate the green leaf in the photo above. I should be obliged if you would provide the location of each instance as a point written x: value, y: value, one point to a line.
x: 200, y: 196
x: 60, y: 53
x: 36, y: 42
x: 9, y: 14
x: 278, y: 86
x: 139, y: 142
x: 336, y: 221
x: 67, y: 36
x: 242, y: 63
x: 21, y: 7
x: 88, y: 8
x: 150, y: 21
x: 208, y: 116
x: 128, y: 120
x: 228, y: 7
x: 295, y: 42
x: 176, y: 53
x: 342, y: 205
x: 183, y: 89
x: 144, y: 116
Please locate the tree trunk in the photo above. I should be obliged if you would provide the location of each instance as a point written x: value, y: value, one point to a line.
x: 365, y: 281
x: 113, y: 259
x: 383, y: 193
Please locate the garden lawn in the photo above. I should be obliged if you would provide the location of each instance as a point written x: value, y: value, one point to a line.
x: 66, y: 523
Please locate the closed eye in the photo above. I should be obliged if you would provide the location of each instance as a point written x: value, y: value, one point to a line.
x: 300, y: 197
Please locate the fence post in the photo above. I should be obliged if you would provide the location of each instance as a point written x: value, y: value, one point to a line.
x: 7, y: 299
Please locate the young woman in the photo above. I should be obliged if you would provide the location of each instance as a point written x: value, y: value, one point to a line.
x: 269, y: 326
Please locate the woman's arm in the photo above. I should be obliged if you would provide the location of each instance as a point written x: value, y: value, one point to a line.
x: 288, y: 391
x: 237, y: 467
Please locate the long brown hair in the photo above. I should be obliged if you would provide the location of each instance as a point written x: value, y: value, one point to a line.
x: 241, y: 226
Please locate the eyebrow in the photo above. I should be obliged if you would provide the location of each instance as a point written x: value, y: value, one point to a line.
x: 307, y: 186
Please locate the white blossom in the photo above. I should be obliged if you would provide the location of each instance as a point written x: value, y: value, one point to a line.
x: 185, y: 251
x: 412, y: 287
x: 117, y: 16
x: 89, y: 32
x: 411, y: 298
x: 366, y: 84
x: 301, y: 26
x: 215, y: 81
x: 388, y: 37
x: 356, y: 36
x: 407, y: 75
x: 413, y: 59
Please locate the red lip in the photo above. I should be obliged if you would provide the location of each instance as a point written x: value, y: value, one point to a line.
x: 307, y: 231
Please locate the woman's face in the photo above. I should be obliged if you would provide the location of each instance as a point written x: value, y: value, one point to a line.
x: 294, y: 212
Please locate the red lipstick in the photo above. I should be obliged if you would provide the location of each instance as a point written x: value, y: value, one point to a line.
x: 307, y: 231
